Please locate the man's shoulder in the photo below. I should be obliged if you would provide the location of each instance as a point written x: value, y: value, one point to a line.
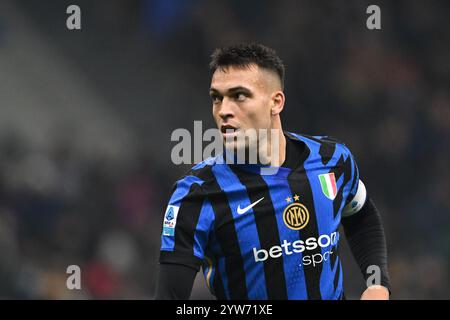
x: 200, y: 173
x: 325, y: 143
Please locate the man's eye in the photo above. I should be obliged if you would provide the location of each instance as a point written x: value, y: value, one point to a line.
x: 240, y: 97
x: 216, y: 99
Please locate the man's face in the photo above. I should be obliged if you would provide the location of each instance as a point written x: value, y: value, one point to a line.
x: 242, y: 100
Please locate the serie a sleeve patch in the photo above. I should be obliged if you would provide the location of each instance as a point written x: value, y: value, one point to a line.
x: 357, y: 202
x: 170, y: 220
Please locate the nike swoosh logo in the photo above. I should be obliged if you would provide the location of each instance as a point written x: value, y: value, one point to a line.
x: 244, y: 210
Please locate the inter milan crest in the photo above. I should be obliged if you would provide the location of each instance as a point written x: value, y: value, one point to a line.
x: 296, y: 215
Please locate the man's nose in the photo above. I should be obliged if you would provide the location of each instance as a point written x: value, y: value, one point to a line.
x: 226, y: 108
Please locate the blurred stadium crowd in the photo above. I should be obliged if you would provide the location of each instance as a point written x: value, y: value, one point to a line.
x: 86, y: 118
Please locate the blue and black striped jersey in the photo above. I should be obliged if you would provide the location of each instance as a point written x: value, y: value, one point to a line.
x: 264, y: 236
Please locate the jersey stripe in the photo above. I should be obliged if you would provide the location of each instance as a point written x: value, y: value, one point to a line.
x: 245, y: 226
x: 232, y: 270
x: 267, y: 226
x: 295, y: 284
x: 182, y: 189
x: 328, y: 224
x: 342, y: 172
x: 223, y: 277
x: 204, y: 225
x: 338, y: 280
x: 219, y: 290
x: 186, y: 223
x: 300, y: 184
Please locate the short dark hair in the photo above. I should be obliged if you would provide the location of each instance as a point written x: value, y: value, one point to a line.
x: 246, y: 54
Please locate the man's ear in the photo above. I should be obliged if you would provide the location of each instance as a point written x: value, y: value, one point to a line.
x: 278, y: 99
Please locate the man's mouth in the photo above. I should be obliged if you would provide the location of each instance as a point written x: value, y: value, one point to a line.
x: 228, y: 130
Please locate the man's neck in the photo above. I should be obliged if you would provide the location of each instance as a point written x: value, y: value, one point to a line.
x: 275, y: 147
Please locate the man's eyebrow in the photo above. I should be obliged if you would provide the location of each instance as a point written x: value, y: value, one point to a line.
x: 213, y: 91
x: 238, y: 88
x: 229, y: 91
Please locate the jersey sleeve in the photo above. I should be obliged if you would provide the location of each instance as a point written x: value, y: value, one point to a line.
x: 187, y: 222
x: 356, y: 190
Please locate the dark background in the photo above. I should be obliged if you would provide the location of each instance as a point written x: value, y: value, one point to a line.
x: 86, y: 118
